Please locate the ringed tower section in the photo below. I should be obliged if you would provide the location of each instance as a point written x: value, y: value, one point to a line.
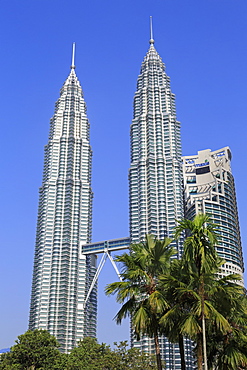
x: 155, y: 175
x: 61, y: 275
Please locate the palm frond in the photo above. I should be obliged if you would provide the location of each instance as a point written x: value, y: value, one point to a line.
x: 220, y: 321
x: 126, y: 310
x: 157, y: 302
x: 190, y: 326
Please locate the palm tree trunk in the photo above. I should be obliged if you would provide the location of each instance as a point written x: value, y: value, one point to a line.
x: 157, y: 350
x: 203, y: 327
x: 181, y: 350
x: 199, y: 351
x: 204, y: 343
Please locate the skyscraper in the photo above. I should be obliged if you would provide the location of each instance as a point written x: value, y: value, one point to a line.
x: 61, y: 274
x: 155, y: 175
x: 209, y: 188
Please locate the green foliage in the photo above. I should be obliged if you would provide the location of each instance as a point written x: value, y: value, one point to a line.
x: 88, y: 355
x: 229, y: 350
x: 61, y: 362
x: 221, y: 303
x: 33, y: 350
x: 139, y: 290
x: 133, y: 358
x: 199, y: 245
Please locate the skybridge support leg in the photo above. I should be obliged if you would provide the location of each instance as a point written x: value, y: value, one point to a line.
x: 101, y: 264
x: 114, y: 265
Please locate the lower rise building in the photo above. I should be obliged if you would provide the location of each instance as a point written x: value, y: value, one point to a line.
x: 209, y: 188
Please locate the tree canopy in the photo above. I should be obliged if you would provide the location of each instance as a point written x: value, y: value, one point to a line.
x: 33, y: 350
x: 37, y: 350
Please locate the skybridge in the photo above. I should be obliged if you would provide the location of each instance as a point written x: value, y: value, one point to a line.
x: 105, y: 247
x: 109, y: 245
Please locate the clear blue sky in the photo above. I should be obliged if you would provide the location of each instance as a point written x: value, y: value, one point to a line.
x: 203, y: 44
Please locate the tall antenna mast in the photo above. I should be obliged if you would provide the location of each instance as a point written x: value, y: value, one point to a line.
x: 73, y: 56
x: 151, y: 41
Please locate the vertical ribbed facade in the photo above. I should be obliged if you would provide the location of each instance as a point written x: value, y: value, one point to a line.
x: 209, y: 188
x: 61, y: 275
x: 155, y: 175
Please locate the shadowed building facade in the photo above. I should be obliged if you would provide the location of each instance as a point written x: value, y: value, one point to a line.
x: 61, y: 274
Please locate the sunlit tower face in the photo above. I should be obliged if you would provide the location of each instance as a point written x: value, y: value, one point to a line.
x: 155, y: 176
x: 61, y: 275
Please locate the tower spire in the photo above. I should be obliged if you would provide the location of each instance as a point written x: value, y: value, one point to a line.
x: 73, y: 56
x: 151, y: 41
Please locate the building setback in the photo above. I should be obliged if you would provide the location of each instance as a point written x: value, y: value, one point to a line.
x: 155, y: 175
x: 61, y: 274
x: 209, y: 188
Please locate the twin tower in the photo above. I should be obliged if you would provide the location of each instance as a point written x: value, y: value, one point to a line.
x: 163, y: 187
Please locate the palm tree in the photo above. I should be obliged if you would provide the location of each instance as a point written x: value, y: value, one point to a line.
x: 139, y: 289
x: 229, y: 350
x: 171, y: 321
x: 201, y: 257
x: 199, y: 245
x: 181, y: 287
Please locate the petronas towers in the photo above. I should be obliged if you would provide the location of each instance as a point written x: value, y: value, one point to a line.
x: 155, y: 176
x: 62, y: 274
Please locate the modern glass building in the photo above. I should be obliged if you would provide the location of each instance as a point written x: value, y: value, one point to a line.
x: 209, y: 188
x: 61, y: 274
x: 155, y: 175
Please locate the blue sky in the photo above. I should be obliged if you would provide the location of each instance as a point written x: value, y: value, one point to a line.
x: 203, y: 44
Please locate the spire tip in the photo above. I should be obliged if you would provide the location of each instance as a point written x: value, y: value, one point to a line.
x: 73, y: 56
x: 151, y: 41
